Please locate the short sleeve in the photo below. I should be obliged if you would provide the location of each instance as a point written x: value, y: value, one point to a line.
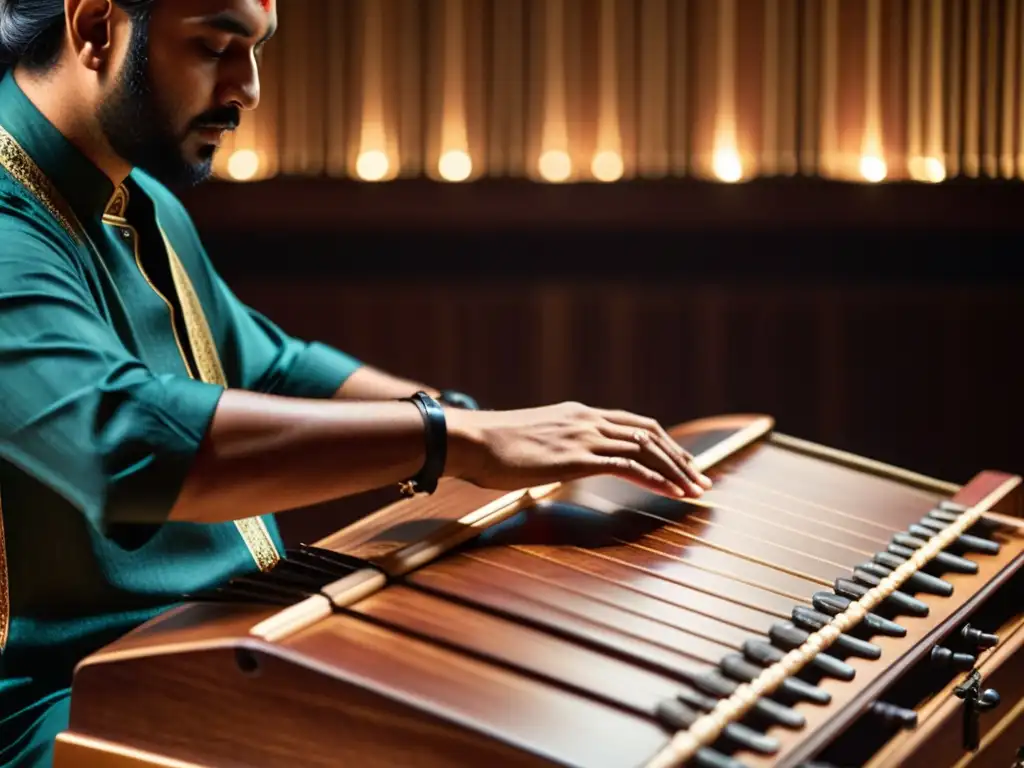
x: 78, y: 411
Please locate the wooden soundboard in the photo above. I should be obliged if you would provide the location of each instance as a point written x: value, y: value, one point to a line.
x: 815, y: 609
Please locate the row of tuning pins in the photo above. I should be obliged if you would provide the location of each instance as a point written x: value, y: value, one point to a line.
x: 787, y: 635
x: 970, y: 641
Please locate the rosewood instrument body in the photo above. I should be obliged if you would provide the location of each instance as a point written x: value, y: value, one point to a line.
x: 589, y: 624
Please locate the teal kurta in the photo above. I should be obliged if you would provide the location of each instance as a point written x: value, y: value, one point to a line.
x: 101, y: 412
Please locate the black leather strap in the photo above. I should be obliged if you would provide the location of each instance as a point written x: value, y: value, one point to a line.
x: 435, y: 431
x: 457, y: 399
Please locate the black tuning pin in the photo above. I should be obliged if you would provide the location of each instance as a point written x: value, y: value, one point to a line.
x: 946, y: 517
x: 708, y: 758
x: 676, y: 715
x: 903, y: 544
x: 872, y: 576
x: 779, y: 714
x: 964, y: 541
x: 832, y: 604
x: 900, y: 601
x: 977, y: 638
x: 933, y: 523
x: 943, y: 516
x: 944, y: 659
x: 893, y: 715
x: 812, y: 621
x: 738, y: 668
x: 760, y: 652
x: 918, y: 582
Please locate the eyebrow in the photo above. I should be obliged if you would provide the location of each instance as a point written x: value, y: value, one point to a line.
x: 226, y: 21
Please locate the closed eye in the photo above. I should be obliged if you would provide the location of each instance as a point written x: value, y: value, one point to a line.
x: 211, y: 51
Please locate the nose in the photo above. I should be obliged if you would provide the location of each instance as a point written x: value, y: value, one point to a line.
x: 242, y: 84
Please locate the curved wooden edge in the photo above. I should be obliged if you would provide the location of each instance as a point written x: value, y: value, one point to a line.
x: 746, y: 429
x: 74, y: 750
x: 757, y: 423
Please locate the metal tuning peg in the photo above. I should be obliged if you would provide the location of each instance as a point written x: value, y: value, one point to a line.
x: 977, y: 638
x: 976, y: 700
x: 943, y: 658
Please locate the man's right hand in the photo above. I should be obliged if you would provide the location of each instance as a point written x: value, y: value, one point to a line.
x: 507, y: 450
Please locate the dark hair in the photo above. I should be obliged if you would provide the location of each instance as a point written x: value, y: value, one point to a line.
x: 31, y: 31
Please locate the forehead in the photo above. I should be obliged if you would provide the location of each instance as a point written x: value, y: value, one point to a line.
x: 251, y: 11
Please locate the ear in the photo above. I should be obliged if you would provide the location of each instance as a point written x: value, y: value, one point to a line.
x: 90, y: 31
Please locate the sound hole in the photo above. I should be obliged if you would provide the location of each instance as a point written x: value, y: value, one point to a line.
x: 247, y: 662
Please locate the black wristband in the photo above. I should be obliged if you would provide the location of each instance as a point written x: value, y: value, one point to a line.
x: 435, y: 430
x: 457, y: 399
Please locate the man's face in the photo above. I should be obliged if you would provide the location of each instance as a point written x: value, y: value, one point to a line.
x: 190, y: 70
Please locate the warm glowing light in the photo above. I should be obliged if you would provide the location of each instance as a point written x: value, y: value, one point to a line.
x: 243, y: 164
x: 873, y: 168
x: 727, y: 166
x: 555, y: 165
x: 455, y: 165
x: 372, y: 165
x: 930, y: 169
x: 607, y: 166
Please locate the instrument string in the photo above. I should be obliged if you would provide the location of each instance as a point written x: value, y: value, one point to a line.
x: 687, y: 630
x: 725, y: 574
x: 712, y: 496
x: 1007, y: 521
x: 718, y: 506
x: 890, y: 480
x: 762, y: 486
x: 761, y: 609
x: 674, y: 528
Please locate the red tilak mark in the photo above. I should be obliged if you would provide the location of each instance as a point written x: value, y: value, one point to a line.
x: 266, y: 4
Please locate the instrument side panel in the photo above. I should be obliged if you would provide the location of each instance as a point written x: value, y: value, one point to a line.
x: 346, y: 692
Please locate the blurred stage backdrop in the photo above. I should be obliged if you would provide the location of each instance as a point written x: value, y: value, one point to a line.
x: 809, y: 208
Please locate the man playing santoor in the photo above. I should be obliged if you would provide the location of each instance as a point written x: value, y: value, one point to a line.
x: 151, y: 424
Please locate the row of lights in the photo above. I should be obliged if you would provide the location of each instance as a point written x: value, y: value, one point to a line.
x: 555, y: 166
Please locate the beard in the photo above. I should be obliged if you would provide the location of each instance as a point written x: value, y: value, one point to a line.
x: 139, y: 127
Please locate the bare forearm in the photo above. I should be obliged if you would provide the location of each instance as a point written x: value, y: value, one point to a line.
x: 267, y: 454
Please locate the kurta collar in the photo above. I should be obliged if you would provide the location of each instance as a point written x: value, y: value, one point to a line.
x: 88, y: 191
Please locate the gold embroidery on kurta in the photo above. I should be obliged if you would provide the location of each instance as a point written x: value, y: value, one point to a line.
x: 24, y: 170
x: 17, y: 162
x: 253, y: 530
